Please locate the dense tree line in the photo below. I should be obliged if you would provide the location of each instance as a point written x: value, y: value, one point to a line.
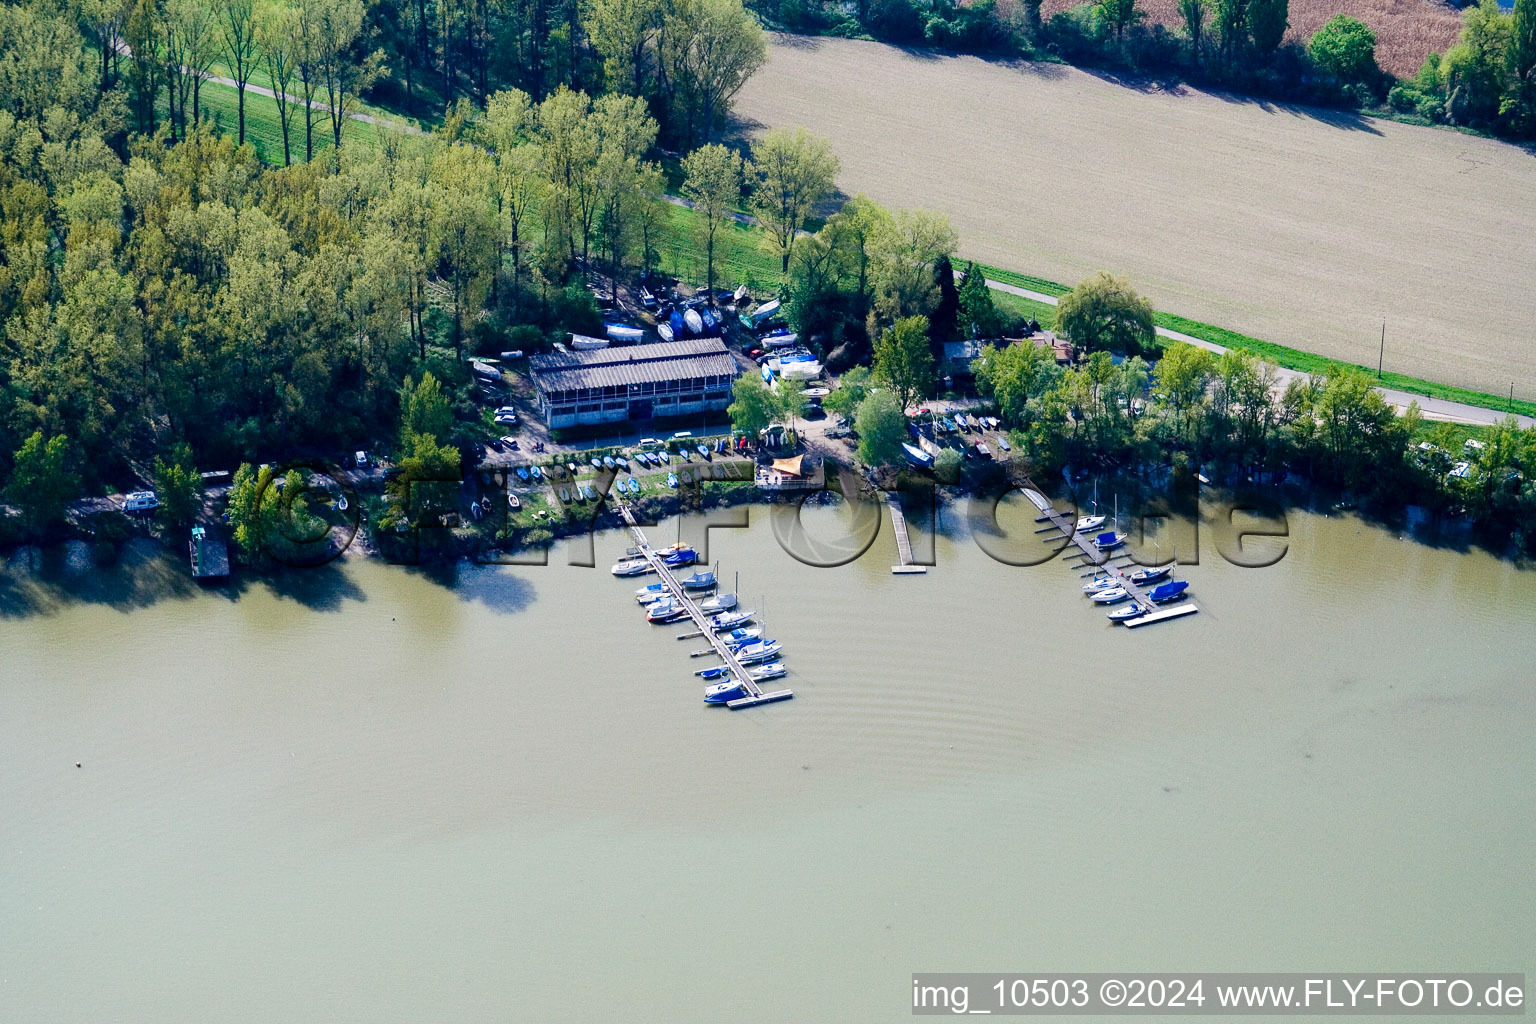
x: 168, y: 301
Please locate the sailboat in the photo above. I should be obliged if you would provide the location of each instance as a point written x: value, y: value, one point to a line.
x: 724, y: 693
x: 718, y: 603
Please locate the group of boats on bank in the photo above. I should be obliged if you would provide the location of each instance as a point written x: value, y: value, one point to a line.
x: 727, y: 624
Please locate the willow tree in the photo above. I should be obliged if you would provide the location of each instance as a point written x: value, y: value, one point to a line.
x: 712, y: 182
x: 795, y: 172
x: 1105, y: 312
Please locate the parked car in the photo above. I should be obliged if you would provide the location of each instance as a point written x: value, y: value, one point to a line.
x: 506, y: 415
x: 361, y: 460
x: 681, y: 434
x: 754, y: 352
x: 495, y: 445
x: 141, y: 501
x: 651, y: 442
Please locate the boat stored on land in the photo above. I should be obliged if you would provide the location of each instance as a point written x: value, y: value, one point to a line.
x: 623, y: 332
x: 584, y: 343
x: 916, y: 456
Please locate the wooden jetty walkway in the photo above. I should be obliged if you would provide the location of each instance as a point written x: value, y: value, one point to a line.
x: 903, y: 541
x: 1106, y: 562
x: 755, y: 694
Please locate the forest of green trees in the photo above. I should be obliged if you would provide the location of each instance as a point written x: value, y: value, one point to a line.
x: 170, y: 300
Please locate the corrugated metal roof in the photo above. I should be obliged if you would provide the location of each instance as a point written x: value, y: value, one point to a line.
x: 634, y: 364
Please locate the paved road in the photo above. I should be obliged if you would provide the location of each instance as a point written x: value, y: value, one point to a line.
x: 1434, y: 408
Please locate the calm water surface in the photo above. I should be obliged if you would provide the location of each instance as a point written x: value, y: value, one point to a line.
x: 498, y: 797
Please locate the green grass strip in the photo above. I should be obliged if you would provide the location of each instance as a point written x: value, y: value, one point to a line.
x: 1280, y: 355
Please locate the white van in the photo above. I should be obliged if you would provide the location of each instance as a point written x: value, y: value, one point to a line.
x: 141, y: 501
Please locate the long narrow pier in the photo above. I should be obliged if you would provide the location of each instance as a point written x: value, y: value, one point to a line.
x: 903, y: 542
x: 1107, y: 563
x: 755, y: 694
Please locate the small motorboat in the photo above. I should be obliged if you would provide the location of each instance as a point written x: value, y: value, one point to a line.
x: 588, y: 492
x: 703, y: 450
x: 341, y: 503
x: 741, y: 636
x: 983, y: 450
x: 596, y: 463
x: 730, y: 620
x: 513, y: 501
x: 783, y: 339
x: 647, y: 595
x: 632, y: 567
x: 700, y: 580
x: 766, y: 671
x: 1126, y: 614
x: 536, y: 472
x: 718, y: 603
x: 713, y: 673
x: 624, y: 332
x: 1170, y: 591
x: 634, y: 486
x: 724, y: 693
x: 961, y: 421
x: 693, y: 322
x: 475, y: 511
x: 565, y: 496
x: 621, y: 462
x: 1113, y: 595
x: 671, y: 479
x: 675, y: 321
x: 739, y: 295
x: 949, y: 425
x: 1087, y: 523
x: 663, y: 456
x: 1144, y: 576
x: 571, y: 468
x: 685, y: 456
x: 1002, y: 443
x: 665, y: 330
x: 583, y: 343
x: 522, y: 473
x: 708, y: 318
x: 760, y: 651
x: 1108, y: 541
x: 607, y: 461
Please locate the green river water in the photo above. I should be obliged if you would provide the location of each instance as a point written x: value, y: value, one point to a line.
x: 377, y: 794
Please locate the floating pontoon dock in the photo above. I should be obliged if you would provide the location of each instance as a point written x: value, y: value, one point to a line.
x: 755, y: 694
x: 903, y: 542
x: 1110, y: 564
